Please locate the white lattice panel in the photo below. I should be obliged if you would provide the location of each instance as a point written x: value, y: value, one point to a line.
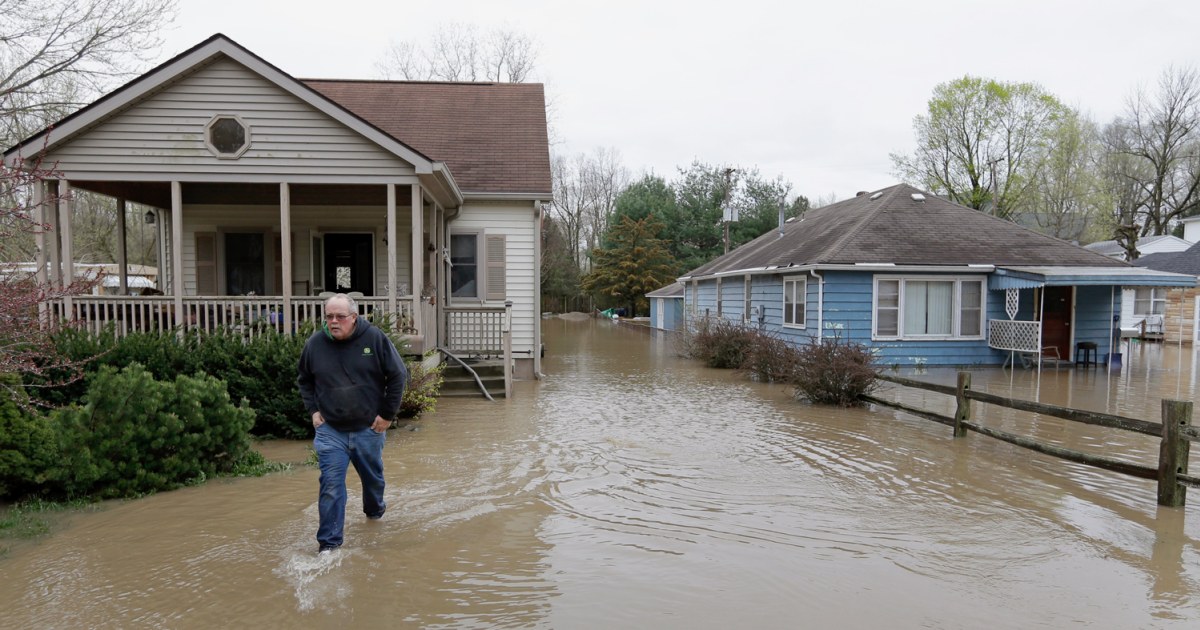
x: 1012, y: 301
x: 1014, y: 335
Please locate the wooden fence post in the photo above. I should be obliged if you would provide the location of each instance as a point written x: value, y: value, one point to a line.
x: 963, y: 413
x: 1173, y: 453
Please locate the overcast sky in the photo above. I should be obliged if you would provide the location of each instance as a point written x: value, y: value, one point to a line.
x: 820, y: 93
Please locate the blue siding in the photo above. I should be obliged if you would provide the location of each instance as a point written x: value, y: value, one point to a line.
x: 847, y: 314
x: 672, y: 312
x: 1094, y: 308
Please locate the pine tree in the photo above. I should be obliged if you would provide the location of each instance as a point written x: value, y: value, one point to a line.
x: 635, y: 262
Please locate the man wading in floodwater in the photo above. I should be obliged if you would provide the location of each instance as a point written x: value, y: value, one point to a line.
x: 352, y: 380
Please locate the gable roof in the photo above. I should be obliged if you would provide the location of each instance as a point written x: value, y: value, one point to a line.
x: 492, y: 135
x: 1113, y: 248
x: 892, y: 226
x: 488, y: 131
x: 1187, y: 261
x: 673, y: 290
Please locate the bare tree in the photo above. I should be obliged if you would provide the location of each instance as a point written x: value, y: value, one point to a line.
x: 55, y: 55
x: 1064, y: 193
x: 457, y: 52
x: 586, y: 188
x: 1121, y: 174
x: 1163, y: 134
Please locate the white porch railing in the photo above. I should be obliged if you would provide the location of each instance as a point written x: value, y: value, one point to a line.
x: 250, y: 315
x: 483, y: 331
x: 1015, y: 335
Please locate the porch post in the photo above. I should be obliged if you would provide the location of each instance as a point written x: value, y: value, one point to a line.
x: 391, y: 251
x: 67, y: 271
x: 177, y: 249
x: 285, y: 259
x: 39, y: 240
x: 39, y: 234
x: 68, y: 261
x: 50, y: 213
x: 123, y: 289
x: 418, y: 257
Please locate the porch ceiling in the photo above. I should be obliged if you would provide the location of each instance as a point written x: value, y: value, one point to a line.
x: 158, y: 194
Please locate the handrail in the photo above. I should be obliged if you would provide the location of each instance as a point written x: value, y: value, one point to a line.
x: 478, y: 381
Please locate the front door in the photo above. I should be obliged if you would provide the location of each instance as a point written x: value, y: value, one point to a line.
x: 350, y: 263
x: 1056, y: 321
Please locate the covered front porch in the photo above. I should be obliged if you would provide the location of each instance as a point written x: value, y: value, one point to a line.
x: 1063, y: 314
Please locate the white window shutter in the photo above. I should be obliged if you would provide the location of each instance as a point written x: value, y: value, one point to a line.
x: 206, y: 263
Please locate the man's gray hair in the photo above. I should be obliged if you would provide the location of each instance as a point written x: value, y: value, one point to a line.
x: 350, y: 303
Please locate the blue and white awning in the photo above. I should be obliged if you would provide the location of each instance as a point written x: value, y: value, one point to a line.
x: 1047, y: 276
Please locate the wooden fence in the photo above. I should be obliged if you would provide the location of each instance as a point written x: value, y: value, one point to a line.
x: 1175, y: 430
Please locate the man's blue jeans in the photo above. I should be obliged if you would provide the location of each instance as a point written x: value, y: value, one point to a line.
x: 335, y: 450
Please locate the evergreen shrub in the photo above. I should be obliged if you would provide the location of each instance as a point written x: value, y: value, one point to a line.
x: 29, y: 449
x: 135, y: 435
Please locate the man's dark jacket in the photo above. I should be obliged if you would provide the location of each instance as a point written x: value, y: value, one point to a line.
x: 352, y: 381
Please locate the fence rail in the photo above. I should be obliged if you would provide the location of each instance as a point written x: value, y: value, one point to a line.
x: 1176, y: 432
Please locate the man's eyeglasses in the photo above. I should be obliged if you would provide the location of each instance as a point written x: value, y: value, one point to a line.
x: 338, y: 317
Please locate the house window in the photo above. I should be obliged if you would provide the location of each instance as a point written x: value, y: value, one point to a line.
x: 226, y: 136
x: 746, y: 314
x: 479, y: 267
x: 795, y: 291
x: 1149, y: 301
x: 919, y: 308
x: 464, y: 272
x: 245, y: 264
x: 720, y: 299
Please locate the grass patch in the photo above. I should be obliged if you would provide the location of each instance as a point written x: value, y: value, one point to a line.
x: 32, y: 519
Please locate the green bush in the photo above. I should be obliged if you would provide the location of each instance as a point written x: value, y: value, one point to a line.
x: 834, y: 372
x: 137, y: 435
x: 261, y: 369
x: 422, y: 391
x: 29, y: 448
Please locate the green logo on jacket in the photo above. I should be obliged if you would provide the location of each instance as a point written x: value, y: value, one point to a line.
x: 366, y: 351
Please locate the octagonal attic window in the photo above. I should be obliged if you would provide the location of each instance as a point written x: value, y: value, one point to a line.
x: 227, y: 136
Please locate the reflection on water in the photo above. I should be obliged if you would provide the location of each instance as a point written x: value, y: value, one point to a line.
x: 634, y: 488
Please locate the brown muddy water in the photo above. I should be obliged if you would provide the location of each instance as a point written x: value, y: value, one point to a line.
x: 631, y: 488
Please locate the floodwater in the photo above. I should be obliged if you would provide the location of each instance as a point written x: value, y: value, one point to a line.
x: 631, y: 488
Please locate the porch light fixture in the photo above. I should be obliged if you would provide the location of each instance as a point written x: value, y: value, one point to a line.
x: 227, y: 136
x: 149, y: 217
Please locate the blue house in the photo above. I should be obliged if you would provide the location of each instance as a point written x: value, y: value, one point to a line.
x: 666, y: 307
x: 921, y: 281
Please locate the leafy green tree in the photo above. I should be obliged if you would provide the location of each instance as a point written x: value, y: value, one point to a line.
x: 635, y: 263
x: 758, y: 202
x: 982, y: 142
x: 1066, y: 191
x: 701, y: 195
x: 560, y: 273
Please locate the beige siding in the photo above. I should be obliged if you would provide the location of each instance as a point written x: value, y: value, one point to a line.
x: 164, y: 135
x: 519, y: 227
x: 327, y: 219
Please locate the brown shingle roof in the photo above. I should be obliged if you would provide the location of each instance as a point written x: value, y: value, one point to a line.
x: 894, y: 228
x: 491, y: 135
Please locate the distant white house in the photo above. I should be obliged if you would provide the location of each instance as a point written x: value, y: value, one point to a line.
x: 1143, y: 308
x: 1146, y: 245
x: 138, y: 279
x: 1191, y: 229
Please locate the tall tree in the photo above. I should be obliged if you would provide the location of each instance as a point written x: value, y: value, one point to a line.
x: 1120, y: 176
x: 1163, y: 134
x: 635, y: 263
x: 1065, y: 192
x: 758, y: 202
x: 55, y: 55
x: 559, y: 274
x: 702, y: 193
x: 586, y: 188
x: 458, y: 52
x: 981, y: 142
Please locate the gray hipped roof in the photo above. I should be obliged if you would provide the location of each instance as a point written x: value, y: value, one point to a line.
x: 894, y: 226
x: 1187, y: 261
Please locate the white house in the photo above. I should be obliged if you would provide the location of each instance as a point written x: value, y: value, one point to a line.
x: 425, y: 198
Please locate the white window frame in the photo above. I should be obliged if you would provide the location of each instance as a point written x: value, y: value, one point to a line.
x: 480, y: 267
x: 1158, y: 297
x: 746, y: 305
x: 956, y: 323
x: 800, y: 282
